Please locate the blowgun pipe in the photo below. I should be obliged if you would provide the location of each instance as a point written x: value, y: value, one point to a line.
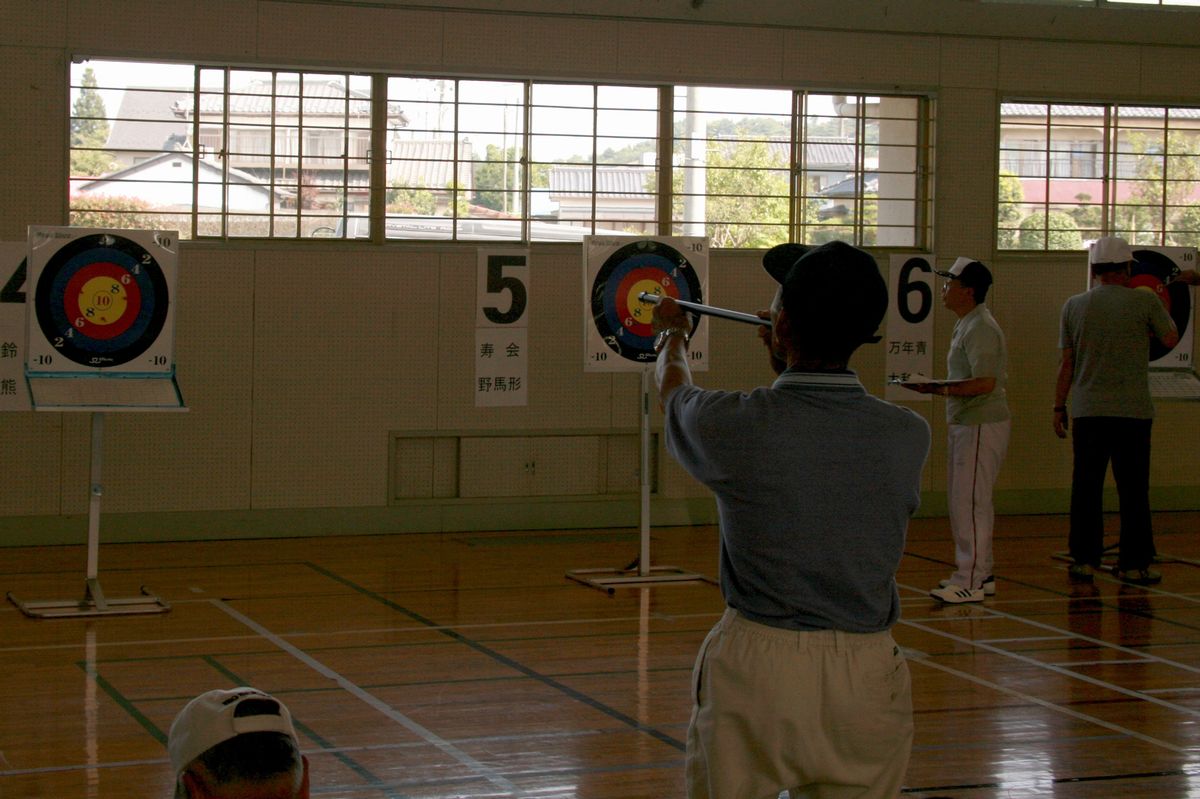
x: 709, y: 310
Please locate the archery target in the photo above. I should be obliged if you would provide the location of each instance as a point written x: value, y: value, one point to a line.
x: 100, y: 300
x: 617, y: 325
x: 1154, y: 269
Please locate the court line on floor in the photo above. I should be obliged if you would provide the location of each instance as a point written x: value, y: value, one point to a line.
x: 989, y: 611
x: 364, y: 631
x: 926, y: 660
x: 373, y: 701
x: 516, y: 665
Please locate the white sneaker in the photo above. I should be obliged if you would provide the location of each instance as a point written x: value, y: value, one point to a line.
x: 989, y: 585
x: 953, y: 594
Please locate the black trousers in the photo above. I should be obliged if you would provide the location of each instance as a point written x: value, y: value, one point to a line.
x: 1096, y: 440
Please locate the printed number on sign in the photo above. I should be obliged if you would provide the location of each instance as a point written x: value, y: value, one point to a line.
x: 12, y: 287
x: 907, y: 288
x: 498, y: 282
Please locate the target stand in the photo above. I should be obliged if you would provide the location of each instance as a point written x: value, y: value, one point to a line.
x: 618, y: 338
x: 100, y: 325
x: 94, y: 602
x: 639, y: 573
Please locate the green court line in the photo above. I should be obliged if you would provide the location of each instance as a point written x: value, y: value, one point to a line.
x: 123, y: 702
x: 566, y: 538
x: 512, y: 663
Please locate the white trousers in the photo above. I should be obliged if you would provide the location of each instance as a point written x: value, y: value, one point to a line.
x: 974, y: 454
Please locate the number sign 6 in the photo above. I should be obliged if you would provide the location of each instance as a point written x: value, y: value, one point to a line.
x: 906, y: 289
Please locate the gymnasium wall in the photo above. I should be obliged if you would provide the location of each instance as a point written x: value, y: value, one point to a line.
x: 306, y: 364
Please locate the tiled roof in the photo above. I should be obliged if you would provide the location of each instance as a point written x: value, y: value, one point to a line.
x: 612, y: 181
x: 1093, y: 111
x: 429, y: 163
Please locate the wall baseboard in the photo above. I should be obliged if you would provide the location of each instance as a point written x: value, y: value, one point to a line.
x: 443, y: 516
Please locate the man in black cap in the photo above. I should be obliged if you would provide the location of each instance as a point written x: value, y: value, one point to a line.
x: 978, y: 425
x: 800, y: 685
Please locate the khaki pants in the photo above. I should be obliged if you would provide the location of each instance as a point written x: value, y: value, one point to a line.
x: 824, y: 714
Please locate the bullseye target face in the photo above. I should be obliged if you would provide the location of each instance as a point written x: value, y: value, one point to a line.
x: 101, y: 299
x: 617, y: 327
x: 1153, y: 270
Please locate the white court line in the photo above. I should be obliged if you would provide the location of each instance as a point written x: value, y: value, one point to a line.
x: 1074, y: 664
x: 1051, y: 706
x: 373, y: 701
x: 987, y: 611
x: 1063, y: 672
x: 1025, y: 639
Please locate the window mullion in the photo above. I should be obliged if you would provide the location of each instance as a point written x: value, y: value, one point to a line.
x: 377, y: 163
x: 666, y: 159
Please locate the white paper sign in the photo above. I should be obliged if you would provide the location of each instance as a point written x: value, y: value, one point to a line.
x: 501, y: 367
x: 502, y: 328
x: 14, y: 393
x: 909, y: 337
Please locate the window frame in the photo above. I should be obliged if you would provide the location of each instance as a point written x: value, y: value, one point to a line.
x: 1123, y: 154
x: 233, y: 143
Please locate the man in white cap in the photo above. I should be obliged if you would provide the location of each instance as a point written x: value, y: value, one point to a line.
x: 236, y: 744
x: 1104, y: 335
x: 978, y: 426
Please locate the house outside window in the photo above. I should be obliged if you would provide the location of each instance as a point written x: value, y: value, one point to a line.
x: 223, y: 152
x: 1070, y: 173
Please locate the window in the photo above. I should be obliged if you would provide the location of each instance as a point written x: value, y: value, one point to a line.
x: 1073, y: 172
x: 756, y: 167
x: 217, y: 151
x: 226, y: 152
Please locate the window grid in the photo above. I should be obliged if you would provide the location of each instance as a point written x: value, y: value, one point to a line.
x: 276, y: 153
x: 1070, y: 173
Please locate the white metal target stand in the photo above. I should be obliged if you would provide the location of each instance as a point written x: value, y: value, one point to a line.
x: 94, y: 602
x: 640, y: 574
x: 61, y: 378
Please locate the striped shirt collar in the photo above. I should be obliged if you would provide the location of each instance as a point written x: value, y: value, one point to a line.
x: 847, y: 379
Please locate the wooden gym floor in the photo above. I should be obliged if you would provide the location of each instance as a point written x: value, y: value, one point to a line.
x: 466, y: 665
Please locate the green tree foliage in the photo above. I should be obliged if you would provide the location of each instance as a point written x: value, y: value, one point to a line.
x: 500, y: 175
x: 410, y: 200
x: 1087, y: 215
x: 1054, y: 231
x: 1185, y: 227
x: 1162, y: 181
x: 130, y: 213
x: 89, y: 129
x: 1008, y: 211
x: 747, y: 196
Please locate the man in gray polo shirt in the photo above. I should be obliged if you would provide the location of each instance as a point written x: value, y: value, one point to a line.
x: 977, y: 425
x: 1104, y: 336
x: 800, y: 684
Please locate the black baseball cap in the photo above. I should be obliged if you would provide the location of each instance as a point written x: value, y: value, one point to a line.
x: 833, y: 288
x: 782, y: 257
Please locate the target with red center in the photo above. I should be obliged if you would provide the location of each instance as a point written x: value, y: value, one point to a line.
x: 621, y: 319
x: 101, y: 299
x: 1153, y: 271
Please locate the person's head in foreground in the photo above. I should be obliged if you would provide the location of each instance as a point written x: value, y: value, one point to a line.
x: 831, y: 300
x: 1109, y: 254
x: 236, y: 744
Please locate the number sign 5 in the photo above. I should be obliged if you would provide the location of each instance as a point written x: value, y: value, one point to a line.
x: 503, y: 287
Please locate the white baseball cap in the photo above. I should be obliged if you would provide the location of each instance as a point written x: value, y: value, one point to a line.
x: 1109, y: 250
x: 216, y: 716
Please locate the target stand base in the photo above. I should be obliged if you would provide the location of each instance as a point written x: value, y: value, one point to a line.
x: 93, y: 604
x: 609, y: 580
